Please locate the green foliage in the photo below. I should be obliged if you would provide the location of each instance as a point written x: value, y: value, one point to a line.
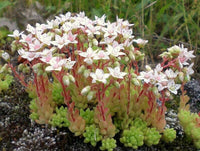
x: 5, y: 78
x: 56, y: 93
x: 59, y: 119
x: 88, y: 116
x: 169, y: 135
x: 132, y: 137
x: 108, y: 144
x: 92, y: 135
x: 191, y: 125
x: 4, y: 4
x: 33, y: 107
x: 140, y: 124
x: 152, y: 137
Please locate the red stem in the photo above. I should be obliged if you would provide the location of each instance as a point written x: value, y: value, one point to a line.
x: 21, y: 79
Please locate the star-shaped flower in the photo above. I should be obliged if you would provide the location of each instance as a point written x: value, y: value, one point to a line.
x: 88, y: 55
x: 116, y: 72
x: 100, y: 76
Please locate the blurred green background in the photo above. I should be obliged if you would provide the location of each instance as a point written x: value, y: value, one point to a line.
x: 162, y: 22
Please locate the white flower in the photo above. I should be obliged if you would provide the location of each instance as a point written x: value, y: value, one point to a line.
x: 100, y: 21
x: 88, y: 55
x: 141, y: 42
x: 116, y: 72
x: 101, y: 55
x: 60, y: 42
x: 159, y: 77
x: 114, y: 51
x: 71, y: 38
x: 159, y: 68
x: 189, y: 71
x: 110, y: 30
x: 46, y: 54
x: 108, y: 40
x: 92, y: 30
x: 146, y: 76
x: 36, y: 45
x: 31, y: 29
x: 15, y: 34
x: 172, y: 87
x: 69, y: 64
x: 99, y: 75
x: 171, y: 74
x: 184, y: 56
x: 56, y: 63
x: 28, y: 55
x: 27, y: 38
x: 44, y: 38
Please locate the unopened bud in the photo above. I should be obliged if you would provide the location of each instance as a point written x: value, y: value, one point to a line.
x: 116, y: 64
x: 95, y: 42
x: 86, y: 73
x: 135, y: 81
x: 133, y: 75
x: 131, y: 55
x: 81, y: 69
x: 181, y: 76
x: 71, y: 78
x: 3, y: 69
x: 20, y: 67
x: 117, y: 84
x: 90, y: 95
x: 26, y: 69
x: 66, y: 80
x: 37, y: 67
x: 81, y: 38
x: 126, y: 59
x: 148, y: 68
x: 155, y: 91
x: 39, y: 72
x: 5, y: 56
x: 85, y: 90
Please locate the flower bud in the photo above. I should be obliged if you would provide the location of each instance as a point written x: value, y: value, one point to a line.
x: 81, y: 69
x: 95, y: 42
x: 66, y: 80
x: 85, y: 90
x: 3, y: 69
x: 90, y: 95
x: 86, y: 73
x: 5, y: 56
x: 39, y: 72
x: 135, y: 81
x: 26, y: 70
x: 181, y: 76
x: 117, y: 84
x: 148, y: 68
x: 126, y: 59
x: 13, y: 47
x: 116, y: 64
x: 155, y: 91
x: 81, y: 38
x: 36, y: 67
x: 131, y: 55
x: 20, y: 67
x: 133, y: 75
x: 71, y: 78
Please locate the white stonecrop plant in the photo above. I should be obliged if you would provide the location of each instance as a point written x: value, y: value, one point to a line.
x: 103, y: 45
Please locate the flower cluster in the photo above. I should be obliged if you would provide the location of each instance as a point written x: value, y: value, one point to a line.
x: 90, y: 69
